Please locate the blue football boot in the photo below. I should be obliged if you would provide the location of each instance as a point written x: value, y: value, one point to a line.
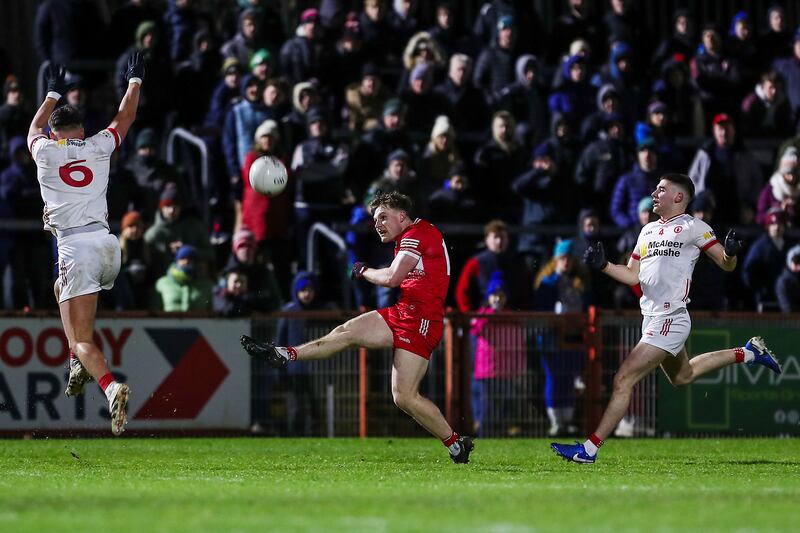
x: 763, y: 356
x: 573, y: 452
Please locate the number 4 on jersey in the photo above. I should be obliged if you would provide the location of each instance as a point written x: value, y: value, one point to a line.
x: 67, y: 171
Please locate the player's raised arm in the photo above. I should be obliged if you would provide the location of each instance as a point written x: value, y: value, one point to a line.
x: 391, y: 276
x: 56, y: 86
x: 130, y: 101
x: 725, y: 256
x: 595, y: 258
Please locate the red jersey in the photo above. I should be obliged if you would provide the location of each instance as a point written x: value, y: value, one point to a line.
x: 425, y: 287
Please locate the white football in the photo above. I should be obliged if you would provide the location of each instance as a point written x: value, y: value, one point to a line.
x: 268, y: 176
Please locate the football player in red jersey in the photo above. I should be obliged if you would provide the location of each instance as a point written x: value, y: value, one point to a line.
x: 413, y: 327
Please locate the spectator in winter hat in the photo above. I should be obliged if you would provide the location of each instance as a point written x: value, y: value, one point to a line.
x: 782, y: 191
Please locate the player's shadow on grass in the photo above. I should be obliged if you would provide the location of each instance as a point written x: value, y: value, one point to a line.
x: 757, y: 462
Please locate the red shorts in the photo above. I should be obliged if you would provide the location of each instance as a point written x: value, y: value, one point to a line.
x: 412, y: 332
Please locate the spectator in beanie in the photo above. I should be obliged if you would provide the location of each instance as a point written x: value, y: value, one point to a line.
x: 741, y: 46
x: 399, y: 176
x: 174, y: 228
x: 526, y: 99
x: 575, y: 97
x: 764, y: 260
x: 454, y: 201
x: 725, y: 167
x: 716, y: 74
x: 608, y: 104
x: 184, y: 287
x: 633, y: 186
x: 782, y: 190
x: 152, y: 173
x: 601, y: 163
x: 658, y: 127
x: 306, y: 55
x: 262, y: 65
x: 421, y: 102
x: 14, y: 116
x: 494, y: 68
x: 269, y: 217
x: 440, y: 154
x: 787, y: 286
x: 260, y: 274
x: 133, y: 286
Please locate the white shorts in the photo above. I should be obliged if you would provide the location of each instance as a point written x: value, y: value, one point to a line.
x: 87, y: 263
x: 668, y: 332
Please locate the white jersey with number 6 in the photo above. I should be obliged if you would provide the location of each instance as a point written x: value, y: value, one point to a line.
x: 667, y: 251
x: 73, y: 176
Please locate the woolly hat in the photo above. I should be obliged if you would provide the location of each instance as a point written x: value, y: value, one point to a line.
x: 187, y: 251
x: 562, y: 248
x: 268, y: 127
x: 441, y: 127
x: 131, y: 218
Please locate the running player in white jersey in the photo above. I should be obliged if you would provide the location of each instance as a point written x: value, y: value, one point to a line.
x: 73, y: 176
x: 662, y: 264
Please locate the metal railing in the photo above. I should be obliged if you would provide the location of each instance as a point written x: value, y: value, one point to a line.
x: 202, y: 195
x: 318, y: 228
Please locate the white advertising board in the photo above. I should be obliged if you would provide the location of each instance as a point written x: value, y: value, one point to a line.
x: 183, y: 374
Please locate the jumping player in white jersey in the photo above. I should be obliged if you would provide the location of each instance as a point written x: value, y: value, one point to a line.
x: 662, y: 264
x: 73, y: 176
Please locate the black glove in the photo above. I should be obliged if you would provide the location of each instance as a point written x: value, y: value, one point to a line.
x: 54, y: 75
x: 595, y: 256
x: 135, y: 67
x: 732, y: 244
x: 358, y: 270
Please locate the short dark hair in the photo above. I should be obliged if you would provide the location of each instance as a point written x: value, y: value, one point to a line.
x: 495, y: 226
x: 392, y: 200
x: 64, y: 118
x: 682, y: 180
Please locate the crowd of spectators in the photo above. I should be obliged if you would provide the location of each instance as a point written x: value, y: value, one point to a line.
x: 509, y: 121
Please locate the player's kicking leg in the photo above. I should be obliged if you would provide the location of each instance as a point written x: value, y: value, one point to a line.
x: 408, y: 369
x: 77, y: 316
x: 368, y: 330
x: 681, y: 370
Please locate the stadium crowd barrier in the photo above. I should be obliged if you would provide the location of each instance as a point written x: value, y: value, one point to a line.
x: 189, y: 375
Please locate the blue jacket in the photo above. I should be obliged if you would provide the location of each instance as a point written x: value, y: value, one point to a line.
x: 762, y: 266
x: 631, y: 188
x: 292, y: 331
x: 237, y: 137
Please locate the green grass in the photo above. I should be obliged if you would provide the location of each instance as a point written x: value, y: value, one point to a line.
x: 378, y: 485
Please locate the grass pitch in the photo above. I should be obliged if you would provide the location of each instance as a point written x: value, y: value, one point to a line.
x: 196, y: 485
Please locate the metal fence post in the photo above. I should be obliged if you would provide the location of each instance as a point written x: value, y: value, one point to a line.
x: 594, y: 372
x: 362, y: 393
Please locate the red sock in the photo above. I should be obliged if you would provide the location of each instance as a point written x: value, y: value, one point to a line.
x: 594, y: 439
x: 105, y: 381
x: 292, y: 353
x: 739, y: 353
x: 72, y: 355
x: 450, y: 440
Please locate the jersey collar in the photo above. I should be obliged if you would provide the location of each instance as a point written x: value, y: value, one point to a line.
x: 662, y: 221
x: 397, y: 239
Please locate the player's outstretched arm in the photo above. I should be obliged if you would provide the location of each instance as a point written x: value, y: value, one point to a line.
x: 725, y: 256
x: 130, y: 101
x: 595, y: 258
x: 56, y: 86
x: 391, y: 276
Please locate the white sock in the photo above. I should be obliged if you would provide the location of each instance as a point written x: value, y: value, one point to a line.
x: 110, y: 390
x: 590, y: 448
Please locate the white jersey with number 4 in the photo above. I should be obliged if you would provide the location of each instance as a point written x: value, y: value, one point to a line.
x: 73, y: 177
x: 667, y: 251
